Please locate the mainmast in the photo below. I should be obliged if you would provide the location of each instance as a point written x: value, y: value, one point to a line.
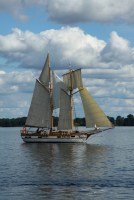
x: 72, y: 80
x: 71, y: 102
x: 51, y: 100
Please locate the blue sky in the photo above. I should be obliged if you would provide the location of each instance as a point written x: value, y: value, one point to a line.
x: 92, y: 34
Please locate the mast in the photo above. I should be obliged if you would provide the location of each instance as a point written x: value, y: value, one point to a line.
x: 51, y: 100
x: 71, y: 102
x: 71, y: 80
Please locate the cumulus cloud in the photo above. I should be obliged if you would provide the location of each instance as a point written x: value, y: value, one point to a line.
x: 18, y: 8
x: 66, y: 45
x: 73, y: 11
x: 107, y: 68
x: 113, y: 95
x: 93, y: 10
x: 15, y: 7
x: 15, y: 93
x: 118, y: 49
x: 22, y: 47
x: 13, y: 82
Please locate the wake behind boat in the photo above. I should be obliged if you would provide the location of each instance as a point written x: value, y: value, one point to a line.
x: 50, y: 93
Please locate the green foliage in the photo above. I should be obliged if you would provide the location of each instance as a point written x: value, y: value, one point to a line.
x: 14, y: 122
x: 79, y: 122
x: 18, y: 122
x: 112, y: 120
x: 121, y: 121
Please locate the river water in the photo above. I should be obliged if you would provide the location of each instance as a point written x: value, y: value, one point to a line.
x: 102, y: 169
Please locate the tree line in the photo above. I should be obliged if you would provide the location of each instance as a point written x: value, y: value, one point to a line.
x: 20, y: 122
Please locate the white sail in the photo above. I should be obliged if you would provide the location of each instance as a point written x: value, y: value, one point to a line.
x: 65, y: 112
x: 93, y: 113
x: 58, y: 84
x: 39, y: 112
x: 45, y: 74
x: 73, y: 79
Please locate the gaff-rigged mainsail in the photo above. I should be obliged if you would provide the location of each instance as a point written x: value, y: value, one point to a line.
x: 39, y: 112
x: 40, y: 109
x: 93, y: 113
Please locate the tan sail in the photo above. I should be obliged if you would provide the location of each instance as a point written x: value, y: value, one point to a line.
x: 39, y: 112
x: 50, y: 93
x: 93, y: 113
x: 45, y: 74
x: 73, y: 79
x: 65, y: 122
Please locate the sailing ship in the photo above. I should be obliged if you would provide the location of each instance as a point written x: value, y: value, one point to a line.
x: 50, y: 93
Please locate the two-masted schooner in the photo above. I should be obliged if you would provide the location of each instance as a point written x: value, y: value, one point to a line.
x: 50, y: 93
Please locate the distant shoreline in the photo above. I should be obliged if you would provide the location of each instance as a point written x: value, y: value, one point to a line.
x: 20, y: 121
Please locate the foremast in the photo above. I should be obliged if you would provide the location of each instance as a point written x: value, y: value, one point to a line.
x: 51, y: 96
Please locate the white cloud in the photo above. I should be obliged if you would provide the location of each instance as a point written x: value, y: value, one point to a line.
x: 15, y: 7
x: 15, y: 93
x: 108, y: 68
x: 13, y: 82
x: 93, y: 10
x: 73, y: 11
x: 22, y: 47
x: 118, y: 49
x: 66, y: 45
x: 115, y: 96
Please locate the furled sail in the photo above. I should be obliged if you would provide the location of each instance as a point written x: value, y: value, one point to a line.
x: 65, y: 122
x: 58, y: 84
x: 45, y: 74
x: 39, y: 112
x: 93, y: 113
x: 73, y: 79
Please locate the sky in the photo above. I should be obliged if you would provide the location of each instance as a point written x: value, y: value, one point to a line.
x: 94, y: 35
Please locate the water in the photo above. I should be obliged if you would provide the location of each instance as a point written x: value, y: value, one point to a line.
x: 100, y: 170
